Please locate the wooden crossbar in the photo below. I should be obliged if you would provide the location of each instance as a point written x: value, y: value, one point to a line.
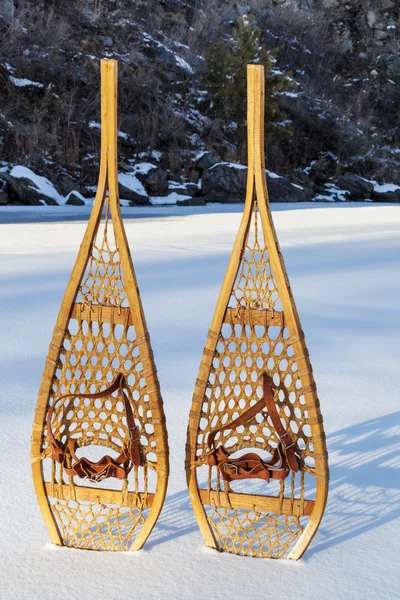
x: 101, y: 314
x: 100, y: 495
x: 259, y: 503
x: 243, y: 316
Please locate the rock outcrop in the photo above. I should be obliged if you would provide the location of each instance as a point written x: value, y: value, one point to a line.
x: 226, y: 183
x: 357, y: 186
x: 154, y: 179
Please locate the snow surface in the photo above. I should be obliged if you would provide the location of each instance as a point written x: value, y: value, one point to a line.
x: 343, y: 262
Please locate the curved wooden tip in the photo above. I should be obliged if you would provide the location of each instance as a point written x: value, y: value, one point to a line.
x: 255, y: 123
x: 109, y: 63
x: 255, y: 69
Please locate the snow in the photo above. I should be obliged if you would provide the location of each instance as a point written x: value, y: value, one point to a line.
x: 172, y: 198
x: 25, y: 82
x: 175, y: 184
x: 290, y: 94
x: 183, y: 64
x: 156, y: 154
x: 130, y: 181
x: 385, y: 187
x: 143, y: 167
x: 382, y: 187
x: 342, y: 261
x: 273, y: 175
x: 334, y: 194
x: 231, y: 165
x: 75, y: 193
x: 284, y: 123
x: 9, y: 67
x: 200, y: 155
x: 121, y: 134
x: 40, y: 183
x: 180, y: 45
x: 178, y: 59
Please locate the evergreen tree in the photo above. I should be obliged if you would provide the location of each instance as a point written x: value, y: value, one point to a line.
x: 226, y: 79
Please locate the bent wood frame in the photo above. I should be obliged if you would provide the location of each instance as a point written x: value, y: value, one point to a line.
x: 107, y: 186
x: 257, y: 191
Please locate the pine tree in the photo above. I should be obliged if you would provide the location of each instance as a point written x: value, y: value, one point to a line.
x: 226, y: 79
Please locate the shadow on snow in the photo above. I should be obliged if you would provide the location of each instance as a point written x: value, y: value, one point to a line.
x: 364, y: 491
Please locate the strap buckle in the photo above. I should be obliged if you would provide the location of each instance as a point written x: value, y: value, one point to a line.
x: 235, y: 468
x: 281, y: 439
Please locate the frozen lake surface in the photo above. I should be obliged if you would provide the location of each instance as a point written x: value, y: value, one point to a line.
x: 343, y: 261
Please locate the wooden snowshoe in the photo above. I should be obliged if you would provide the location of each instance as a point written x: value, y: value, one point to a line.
x: 255, y: 390
x: 99, y: 444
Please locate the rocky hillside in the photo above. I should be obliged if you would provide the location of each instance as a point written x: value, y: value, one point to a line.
x: 337, y: 136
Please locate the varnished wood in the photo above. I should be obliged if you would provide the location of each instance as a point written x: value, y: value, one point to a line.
x: 92, y: 303
x: 257, y: 503
x: 254, y: 317
x: 102, y: 314
x: 251, y: 266
x: 103, y: 496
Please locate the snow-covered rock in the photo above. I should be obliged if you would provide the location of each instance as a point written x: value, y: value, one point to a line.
x: 206, y: 160
x: 386, y: 192
x: 331, y: 193
x: 75, y: 199
x: 186, y: 189
x: 65, y: 184
x: 172, y: 198
x: 226, y: 182
x: 22, y: 82
x: 130, y: 188
x: 153, y: 177
x: 30, y: 188
x: 281, y: 190
x: 359, y: 188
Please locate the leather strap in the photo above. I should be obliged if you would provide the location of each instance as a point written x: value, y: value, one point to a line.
x: 284, y: 436
x: 251, y: 465
x: 106, y: 467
